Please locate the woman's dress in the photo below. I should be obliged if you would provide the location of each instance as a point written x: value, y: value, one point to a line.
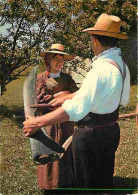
x: 58, y: 174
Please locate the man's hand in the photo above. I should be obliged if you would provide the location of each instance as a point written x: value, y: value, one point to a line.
x: 57, y: 101
x: 31, y: 125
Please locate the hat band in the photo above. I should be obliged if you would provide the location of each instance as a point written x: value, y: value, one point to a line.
x: 56, y: 50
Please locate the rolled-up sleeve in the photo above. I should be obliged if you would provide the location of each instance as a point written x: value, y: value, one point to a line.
x: 100, y: 93
x: 81, y: 104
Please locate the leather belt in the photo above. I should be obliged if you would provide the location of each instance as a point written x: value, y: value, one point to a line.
x: 103, y: 126
x: 90, y: 124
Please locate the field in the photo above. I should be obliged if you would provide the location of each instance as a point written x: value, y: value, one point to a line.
x: 19, y: 174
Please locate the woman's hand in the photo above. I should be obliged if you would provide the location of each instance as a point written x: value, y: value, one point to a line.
x: 57, y: 101
x: 46, y: 98
x: 31, y: 126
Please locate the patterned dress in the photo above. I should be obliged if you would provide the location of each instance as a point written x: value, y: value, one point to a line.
x: 59, y: 173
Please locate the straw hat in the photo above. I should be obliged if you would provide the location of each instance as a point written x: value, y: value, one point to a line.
x: 57, y: 49
x: 107, y: 25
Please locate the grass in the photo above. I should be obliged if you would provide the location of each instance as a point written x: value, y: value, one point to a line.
x: 19, y: 174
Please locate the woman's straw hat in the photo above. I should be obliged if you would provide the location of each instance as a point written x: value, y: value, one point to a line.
x: 57, y: 49
x: 107, y: 25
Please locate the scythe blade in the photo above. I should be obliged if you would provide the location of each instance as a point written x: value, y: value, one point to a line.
x: 43, y: 148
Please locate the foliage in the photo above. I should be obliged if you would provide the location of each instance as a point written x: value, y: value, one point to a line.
x: 29, y: 25
x: 33, y: 24
x: 71, y: 17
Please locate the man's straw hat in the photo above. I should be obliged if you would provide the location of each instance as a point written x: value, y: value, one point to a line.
x: 57, y: 49
x: 107, y: 25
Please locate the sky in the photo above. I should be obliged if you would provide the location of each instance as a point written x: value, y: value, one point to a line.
x: 3, y: 30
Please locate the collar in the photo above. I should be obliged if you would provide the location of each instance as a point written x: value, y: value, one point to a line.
x: 107, y: 53
x: 54, y: 75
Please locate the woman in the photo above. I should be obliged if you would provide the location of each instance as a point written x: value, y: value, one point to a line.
x: 53, y: 84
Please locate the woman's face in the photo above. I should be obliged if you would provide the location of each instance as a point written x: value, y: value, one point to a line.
x: 56, y: 63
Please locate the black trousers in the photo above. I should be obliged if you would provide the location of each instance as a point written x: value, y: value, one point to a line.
x: 94, y: 156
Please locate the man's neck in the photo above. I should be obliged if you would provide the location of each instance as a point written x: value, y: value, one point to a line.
x: 100, y: 50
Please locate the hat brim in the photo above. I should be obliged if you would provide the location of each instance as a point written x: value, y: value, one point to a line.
x: 67, y: 57
x: 105, y: 33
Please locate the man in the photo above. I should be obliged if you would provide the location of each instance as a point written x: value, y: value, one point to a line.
x: 105, y: 87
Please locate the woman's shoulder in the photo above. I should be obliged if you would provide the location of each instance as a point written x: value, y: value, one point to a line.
x: 41, y: 75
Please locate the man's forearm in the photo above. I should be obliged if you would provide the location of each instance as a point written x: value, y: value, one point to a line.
x: 70, y: 96
x: 61, y: 94
x: 57, y: 116
x: 60, y: 101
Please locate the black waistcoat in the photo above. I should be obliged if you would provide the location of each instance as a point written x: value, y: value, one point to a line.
x: 103, y: 119
x: 99, y: 119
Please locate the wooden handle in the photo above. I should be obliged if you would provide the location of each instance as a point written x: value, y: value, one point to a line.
x: 128, y: 115
x: 41, y: 106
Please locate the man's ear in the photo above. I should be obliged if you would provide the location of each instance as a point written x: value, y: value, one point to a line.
x: 95, y: 41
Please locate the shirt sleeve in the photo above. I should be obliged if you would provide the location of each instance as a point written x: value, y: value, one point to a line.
x: 99, y: 93
x: 80, y: 105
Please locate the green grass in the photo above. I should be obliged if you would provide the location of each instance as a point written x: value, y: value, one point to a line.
x: 19, y: 174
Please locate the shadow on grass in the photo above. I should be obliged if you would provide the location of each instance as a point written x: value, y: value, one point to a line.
x: 16, y: 114
x: 14, y: 78
x: 130, y: 184
x: 121, y: 186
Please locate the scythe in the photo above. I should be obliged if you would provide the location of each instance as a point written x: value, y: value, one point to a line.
x: 43, y: 148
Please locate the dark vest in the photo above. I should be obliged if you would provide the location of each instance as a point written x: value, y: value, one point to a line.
x: 103, y: 119
x: 94, y: 119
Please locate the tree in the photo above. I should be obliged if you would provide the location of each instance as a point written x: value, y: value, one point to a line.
x: 71, y: 17
x: 38, y: 23
x: 29, y: 25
